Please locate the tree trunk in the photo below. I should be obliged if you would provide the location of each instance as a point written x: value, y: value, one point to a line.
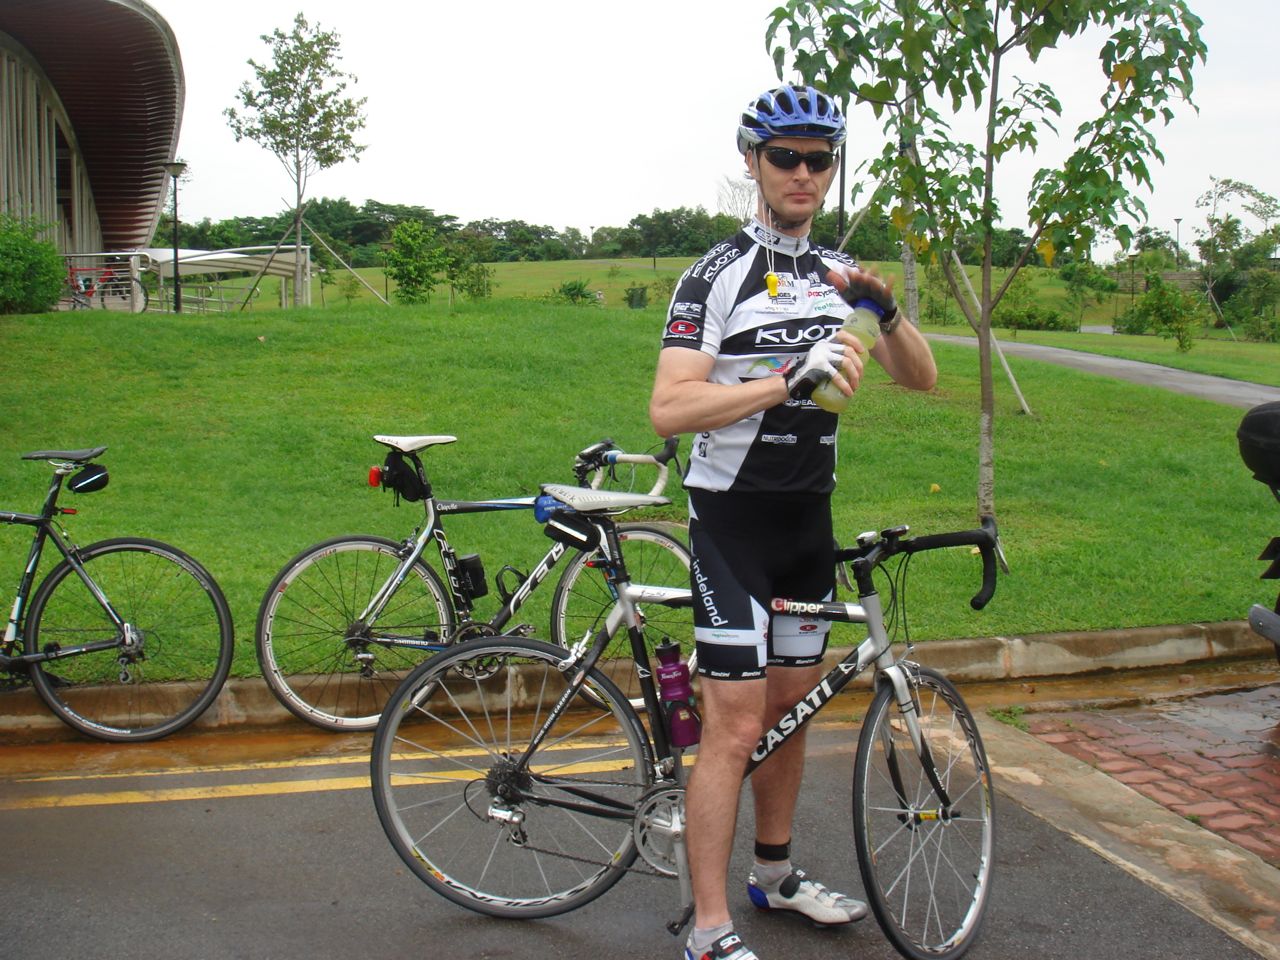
x: 910, y: 282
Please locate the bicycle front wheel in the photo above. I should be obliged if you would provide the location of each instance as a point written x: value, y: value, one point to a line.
x: 484, y: 818
x: 155, y: 674
x: 583, y: 599
x: 321, y: 660
x: 926, y: 868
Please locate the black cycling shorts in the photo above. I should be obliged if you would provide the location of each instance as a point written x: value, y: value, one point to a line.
x: 748, y: 549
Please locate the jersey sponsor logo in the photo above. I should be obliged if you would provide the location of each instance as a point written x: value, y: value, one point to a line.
x: 829, y: 440
x: 687, y: 309
x: 788, y: 336
x: 763, y: 236
x: 715, y: 260
x: 783, y: 438
x: 837, y: 255
x: 683, y: 328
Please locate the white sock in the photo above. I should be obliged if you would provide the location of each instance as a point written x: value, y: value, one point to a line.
x: 772, y: 872
x: 702, y: 938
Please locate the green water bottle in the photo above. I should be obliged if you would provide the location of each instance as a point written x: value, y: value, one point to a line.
x: 863, y: 323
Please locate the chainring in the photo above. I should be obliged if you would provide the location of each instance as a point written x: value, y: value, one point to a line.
x: 653, y: 827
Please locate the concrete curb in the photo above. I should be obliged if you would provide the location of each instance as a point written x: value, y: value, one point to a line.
x: 248, y: 702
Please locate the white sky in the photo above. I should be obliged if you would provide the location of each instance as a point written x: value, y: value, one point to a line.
x: 585, y: 113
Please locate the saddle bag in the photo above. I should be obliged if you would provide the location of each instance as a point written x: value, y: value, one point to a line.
x: 1259, y: 438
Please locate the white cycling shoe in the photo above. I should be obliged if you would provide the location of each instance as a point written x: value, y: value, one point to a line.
x: 808, y: 897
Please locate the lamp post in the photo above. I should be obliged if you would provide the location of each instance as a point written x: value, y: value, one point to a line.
x: 1177, y: 243
x: 174, y: 168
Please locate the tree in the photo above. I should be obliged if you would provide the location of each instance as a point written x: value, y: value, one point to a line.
x: 737, y: 197
x: 950, y: 58
x: 415, y: 260
x: 1226, y: 246
x: 297, y: 110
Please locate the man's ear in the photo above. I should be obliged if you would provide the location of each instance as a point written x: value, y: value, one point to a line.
x: 750, y: 158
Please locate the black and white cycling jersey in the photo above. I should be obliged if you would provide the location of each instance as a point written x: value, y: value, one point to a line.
x: 723, y: 306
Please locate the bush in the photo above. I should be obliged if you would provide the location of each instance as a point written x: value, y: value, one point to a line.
x: 1018, y: 309
x: 637, y: 297
x: 576, y: 292
x: 31, y: 271
x: 1163, y: 309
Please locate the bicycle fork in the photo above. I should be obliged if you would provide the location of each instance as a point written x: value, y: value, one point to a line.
x: 908, y: 708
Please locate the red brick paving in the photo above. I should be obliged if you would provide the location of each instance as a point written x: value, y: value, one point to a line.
x: 1214, y: 759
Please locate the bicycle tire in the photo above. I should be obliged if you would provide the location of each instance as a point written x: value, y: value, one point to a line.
x: 122, y: 293
x: 309, y: 611
x: 184, y: 628
x: 583, y: 599
x: 927, y: 875
x: 441, y: 766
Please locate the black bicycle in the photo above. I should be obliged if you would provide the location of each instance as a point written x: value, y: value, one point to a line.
x: 515, y: 779
x: 126, y: 639
x: 345, y: 620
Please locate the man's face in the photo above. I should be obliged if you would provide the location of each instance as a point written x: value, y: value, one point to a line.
x: 793, y: 195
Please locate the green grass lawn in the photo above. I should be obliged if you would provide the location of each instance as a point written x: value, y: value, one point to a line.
x: 244, y: 438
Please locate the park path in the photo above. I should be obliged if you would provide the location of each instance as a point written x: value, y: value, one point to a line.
x: 1236, y: 393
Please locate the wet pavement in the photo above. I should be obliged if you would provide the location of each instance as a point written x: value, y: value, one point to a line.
x: 1214, y: 760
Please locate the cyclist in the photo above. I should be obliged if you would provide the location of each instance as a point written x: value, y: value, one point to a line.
x: 752, y: 328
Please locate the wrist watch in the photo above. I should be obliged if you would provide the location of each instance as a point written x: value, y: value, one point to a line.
x: 889, y: 322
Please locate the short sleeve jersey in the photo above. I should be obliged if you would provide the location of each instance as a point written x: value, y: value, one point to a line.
x: 723, y: 307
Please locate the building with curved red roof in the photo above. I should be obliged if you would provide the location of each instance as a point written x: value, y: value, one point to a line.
x: 91, y: 95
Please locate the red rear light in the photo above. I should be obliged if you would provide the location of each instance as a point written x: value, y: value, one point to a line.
x: 375, y: 476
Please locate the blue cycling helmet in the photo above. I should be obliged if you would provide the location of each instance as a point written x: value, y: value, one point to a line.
x: 791, y: 112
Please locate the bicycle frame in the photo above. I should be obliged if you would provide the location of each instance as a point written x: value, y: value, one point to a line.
x: 874, y: 651
x: 460, y: 590
x: 45, y: 529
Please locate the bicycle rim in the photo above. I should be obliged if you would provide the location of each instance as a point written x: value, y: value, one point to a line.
x: 482, y: 831
x: 170, y: 674
x: 318, y: 662
x: 583, y: 601
x: 927, y: 872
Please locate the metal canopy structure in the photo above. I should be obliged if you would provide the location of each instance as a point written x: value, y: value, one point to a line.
x: 115, y: 68
x: 237, y: 260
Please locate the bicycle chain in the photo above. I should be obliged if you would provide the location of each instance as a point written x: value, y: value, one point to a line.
x: 644, y: 870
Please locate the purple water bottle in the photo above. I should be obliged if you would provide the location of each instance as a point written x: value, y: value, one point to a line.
x: 675, y: 690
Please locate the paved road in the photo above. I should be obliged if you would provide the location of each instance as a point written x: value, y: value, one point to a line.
x: 267, y: 846
x: 1235, y: 393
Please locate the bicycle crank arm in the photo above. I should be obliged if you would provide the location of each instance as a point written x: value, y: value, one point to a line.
x: 679, y: 923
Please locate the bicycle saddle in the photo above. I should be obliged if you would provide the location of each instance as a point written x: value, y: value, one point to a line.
x: 586, y: 500
x: 413, y: 444
x: 77, y: 456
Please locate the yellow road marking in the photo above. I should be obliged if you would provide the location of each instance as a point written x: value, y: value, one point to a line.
x: 274, y: 788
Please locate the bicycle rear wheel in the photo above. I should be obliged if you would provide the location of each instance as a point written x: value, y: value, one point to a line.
x: 583, y: 599
x: 320, y: 660
x: 926, y: 870
x: 477, y: 823
x: 122, y: 293
x: 155, y: 677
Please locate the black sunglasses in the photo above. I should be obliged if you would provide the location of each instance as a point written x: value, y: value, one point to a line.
x: 785, y: 158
